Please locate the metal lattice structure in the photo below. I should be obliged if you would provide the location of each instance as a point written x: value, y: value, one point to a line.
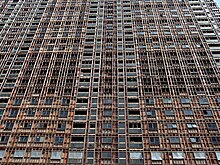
x: 109, y: 82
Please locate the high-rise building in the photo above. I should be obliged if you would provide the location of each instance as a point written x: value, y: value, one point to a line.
x: 109, y: 82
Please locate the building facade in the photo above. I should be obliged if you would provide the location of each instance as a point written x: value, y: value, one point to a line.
x: 109, y: 82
